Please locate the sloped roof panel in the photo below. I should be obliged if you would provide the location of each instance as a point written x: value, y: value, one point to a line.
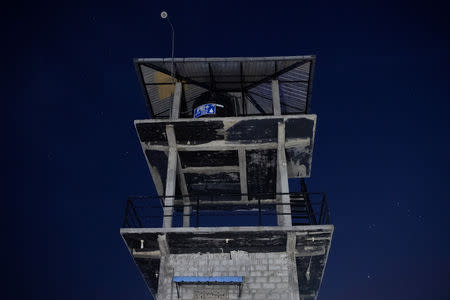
x: 249, y: 76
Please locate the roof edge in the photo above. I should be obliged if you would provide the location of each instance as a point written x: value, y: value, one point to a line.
x: 225, y: 59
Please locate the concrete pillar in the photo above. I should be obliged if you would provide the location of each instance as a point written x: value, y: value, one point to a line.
x: 276, y: 98
x: 175, y: 111
x: 170, y: 188
x: 243, y: 173
x: 284, y: 217
x: 292, y: 265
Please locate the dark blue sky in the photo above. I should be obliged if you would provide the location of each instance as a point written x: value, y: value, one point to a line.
x: 381, y: 93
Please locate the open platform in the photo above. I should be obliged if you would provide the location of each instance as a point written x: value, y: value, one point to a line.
x: 216, y: 153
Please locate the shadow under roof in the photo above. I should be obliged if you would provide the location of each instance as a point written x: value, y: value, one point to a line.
x: 247, y: 76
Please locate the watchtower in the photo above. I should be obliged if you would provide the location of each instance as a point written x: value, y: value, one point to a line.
x: 229, y: 144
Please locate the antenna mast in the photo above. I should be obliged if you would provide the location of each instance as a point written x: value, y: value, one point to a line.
x: 164, y: 15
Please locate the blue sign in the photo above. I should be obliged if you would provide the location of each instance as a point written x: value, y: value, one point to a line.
x: 205, y: 109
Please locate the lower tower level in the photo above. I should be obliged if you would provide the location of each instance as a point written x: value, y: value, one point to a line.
x: 231, y: 262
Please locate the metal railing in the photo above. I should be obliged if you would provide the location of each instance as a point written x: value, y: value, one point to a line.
x: 212, y: 210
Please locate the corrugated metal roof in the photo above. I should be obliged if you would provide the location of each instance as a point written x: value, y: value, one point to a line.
x: 249, y: 76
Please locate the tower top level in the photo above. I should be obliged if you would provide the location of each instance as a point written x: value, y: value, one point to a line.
x: 247, y: 81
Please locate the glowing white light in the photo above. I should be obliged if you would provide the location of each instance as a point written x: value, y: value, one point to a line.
x: 163, y: 14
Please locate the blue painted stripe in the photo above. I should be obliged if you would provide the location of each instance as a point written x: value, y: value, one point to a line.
x: 206, y: 279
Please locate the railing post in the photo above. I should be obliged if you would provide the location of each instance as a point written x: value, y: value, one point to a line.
x: 135, y: 214
x: 125, y: 218
x: 322, y: 204
x: 312, y: 216
x: 259, y: 212
x: 198, y: 211
x: 326, y: 209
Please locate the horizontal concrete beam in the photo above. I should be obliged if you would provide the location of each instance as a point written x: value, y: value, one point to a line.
x: 147, y: 254
x: 282, y: 117
x: 210, y: 170
x: 315, y: 252
x: 226, y: 145
x: 307, y: 230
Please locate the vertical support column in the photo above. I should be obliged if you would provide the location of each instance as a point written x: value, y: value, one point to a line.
x: 187, y: 208
x: 165, y: 271
x: 284, y: 210
x: 187, y: 211
x: 175, y: 112
x: 292, y: 265
x: 171, y: 178
x: 163, y: 245
x: 276, y: 107
x: 276, y: 98
x: 243, y: 173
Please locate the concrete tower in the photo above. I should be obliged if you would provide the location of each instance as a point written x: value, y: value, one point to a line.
x: 226, y: 140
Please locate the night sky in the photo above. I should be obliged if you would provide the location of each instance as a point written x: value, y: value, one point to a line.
x: 382, y: 149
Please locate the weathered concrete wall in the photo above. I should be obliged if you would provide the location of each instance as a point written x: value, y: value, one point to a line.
x: 266, y: 276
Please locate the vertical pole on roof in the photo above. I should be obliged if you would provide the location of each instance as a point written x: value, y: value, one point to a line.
x: 173, y: 49
x: 276, y: 98
x: 164, y: 15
